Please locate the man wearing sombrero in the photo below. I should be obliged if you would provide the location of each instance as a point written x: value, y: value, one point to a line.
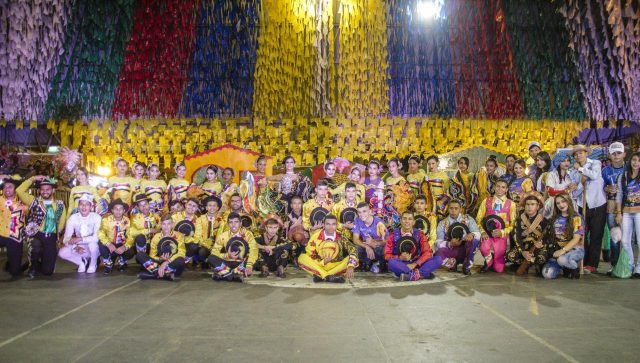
x: 494, y: 237
x: 114, y: 245
x: 461, y: 248
x: 144, y: 224
x: 13, y: 213
x: 532, y: 235
x: 45, y: 224
x: 592, y: 204
x: 233, y: 261
x: 328, y: 256
x: 349, y: 202
x: 321, y: 200
x: 408, y: 253
x: 165, y: 261
x: 81, y: 236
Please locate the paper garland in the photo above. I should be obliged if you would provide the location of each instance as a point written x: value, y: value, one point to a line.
x: 89, y: 68
x: 32, y: 34
x: 157, y: 59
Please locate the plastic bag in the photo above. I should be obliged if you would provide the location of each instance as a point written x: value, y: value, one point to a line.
x: 622, y: 269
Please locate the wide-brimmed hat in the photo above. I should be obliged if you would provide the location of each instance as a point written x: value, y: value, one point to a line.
x: 492, y: 222
x: 14, y: 179
x: 238, y: 244
x: 348, y: 215
x: 318, y: 214
x: 407, y: 244
x: 48, y: 181
x: 580, y: 147
x: 422, y: 223
x: 532, y: 194
x: 118, y: 202
x: 458, y: 230
x: 140, y: 197
x: 185, y: 227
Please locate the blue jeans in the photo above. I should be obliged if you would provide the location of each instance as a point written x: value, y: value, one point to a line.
x: 614, y: 247
x: 571, y: 259
x: 631, y: 224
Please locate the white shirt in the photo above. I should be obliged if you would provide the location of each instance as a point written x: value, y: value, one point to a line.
x: 85, y: 227
x: 592, y: 169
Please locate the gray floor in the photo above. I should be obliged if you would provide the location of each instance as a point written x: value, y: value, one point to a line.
x: 480, y: 318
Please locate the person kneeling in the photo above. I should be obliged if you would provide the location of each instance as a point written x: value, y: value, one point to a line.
x: 81, y: 237
x: 166, y: 259
x: 568, y: 250
x: 328, y: 256
x: 234, y: 252
x: 531, y: 235
x: 408, y: 252
x: 274, y: 250
x: 113, y: 232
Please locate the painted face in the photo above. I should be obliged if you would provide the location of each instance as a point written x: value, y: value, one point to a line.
x: 84, y: 207
x: 234, y: 225
x: 122, y: 167
x: 454, y: 210
x: 261, y: 166
x: 433, y: 165
x: 181, y: 171
x: 81, y: 177
x: 211, y: 175
x: 407, y: 221
x: 350, y: 193
x: 143, y: 207
x: 330, y: 226
x: 419, y: 205
x: 118, y: 211
x: 154, y: 172
x: 364, y: 213
x: 531, y: 207
x: 212, y: 207
x: 236, y: 203
x: 330, y: 170
x: 413, y: 166
x: 46, y: 191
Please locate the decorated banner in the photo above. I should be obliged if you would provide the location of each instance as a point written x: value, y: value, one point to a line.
x: 226, y: 156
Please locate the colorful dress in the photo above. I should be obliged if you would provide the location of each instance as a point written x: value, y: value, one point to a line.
x: 437, y: 185
x: 518, y: 187
x: 463, y: 190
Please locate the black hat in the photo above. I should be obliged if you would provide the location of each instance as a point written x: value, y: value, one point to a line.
x: 118, y: 202
x: 140, y: 197
x: 210, y: 198
x: 167, y: 245
x: 348, y: 215
x: 492, y: 222
x: 407, y: 244
x: 185, y: 227
x: 238, y: 244
x: 246, y: 221
x: 422, y: 223
x: 14, y: 179
x: 458, y: 230
x: 318, y: 214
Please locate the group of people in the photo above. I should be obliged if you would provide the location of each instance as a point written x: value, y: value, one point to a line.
x: 538, y: 212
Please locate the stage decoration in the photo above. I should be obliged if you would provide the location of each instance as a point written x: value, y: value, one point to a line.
x: 604, y: 38
x: 33, y: 34
x: 65, y: 164
x: 362, y: 88
x: 421, y: 79
x: 486, y: 84
x: 220, y: 81
x: 157, y: 59
x: 547, y: 78
x: 225, y: 156
x: 89, y: 67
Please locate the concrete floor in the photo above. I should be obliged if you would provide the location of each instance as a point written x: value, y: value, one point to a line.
x: 489, y: 317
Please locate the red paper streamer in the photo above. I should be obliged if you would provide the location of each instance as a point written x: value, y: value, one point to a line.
x: 157, y: 59
x: 486, y: 84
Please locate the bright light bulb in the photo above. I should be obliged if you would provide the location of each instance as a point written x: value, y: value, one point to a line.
x: 104, y: 170
x: 429, y: 9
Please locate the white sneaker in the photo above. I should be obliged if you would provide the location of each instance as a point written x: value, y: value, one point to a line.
x: 83, y: 266
x: 92, y: 269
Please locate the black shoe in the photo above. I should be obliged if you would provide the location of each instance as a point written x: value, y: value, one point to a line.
x: 145, y: 275
x: 168, y: 277
x: 280, y: 272
x: 466, y: 271
x: 317, y: 278
x: 108, y: 269
x: 430, y: 276
x: 566, y: 272
x: 122, y: 267
x: 237, y: 278
x: 635, y: 275
x: 484, y: 268
x: 335, y: 279
x: 216, y: 277
x: 453, y: 269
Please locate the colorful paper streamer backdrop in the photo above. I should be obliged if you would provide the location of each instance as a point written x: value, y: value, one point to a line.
x: 221, y: 75
x: 89, y: 67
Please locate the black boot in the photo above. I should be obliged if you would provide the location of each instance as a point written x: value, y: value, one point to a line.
x: 335, y: 279
x: 317, y: 278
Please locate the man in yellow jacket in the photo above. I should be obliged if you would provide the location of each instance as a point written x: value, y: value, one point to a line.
x: 233, y: 263
x: 166, y: 258
x: 144, y: 225
x: 114, y: 245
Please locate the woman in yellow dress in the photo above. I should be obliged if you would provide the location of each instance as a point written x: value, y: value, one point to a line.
x: 394, y: 178
x: 121, y: 185
x: 462, y: 188
x: 178, y: 186
x: 137, y: 171
x: 211, y: 185
x: 436, y: 184
x: 83, y: 188
x: 154, y: 188
x: 416, y: 174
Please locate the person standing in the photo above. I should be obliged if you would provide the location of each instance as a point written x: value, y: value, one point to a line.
x: 610, y: 175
